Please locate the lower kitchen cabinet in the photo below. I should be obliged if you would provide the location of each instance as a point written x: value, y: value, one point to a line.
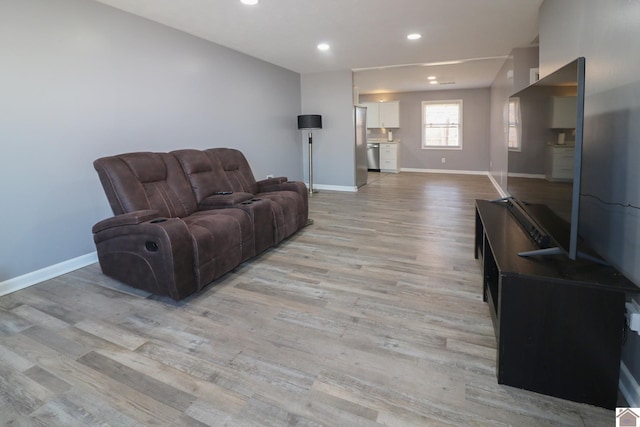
x: 389, y: 154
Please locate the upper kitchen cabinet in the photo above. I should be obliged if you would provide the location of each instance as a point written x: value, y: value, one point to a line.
x: 563, y: 114
x: 373, y: 114
x: 383, y: 114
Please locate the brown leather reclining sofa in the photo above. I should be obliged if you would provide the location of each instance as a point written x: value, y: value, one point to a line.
x: 185, y: 218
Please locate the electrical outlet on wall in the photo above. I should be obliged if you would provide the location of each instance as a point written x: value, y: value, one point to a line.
x: 270, y: 176
x: 444, y: 160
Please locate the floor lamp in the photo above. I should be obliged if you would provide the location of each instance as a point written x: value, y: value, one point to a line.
x: 310, y: 122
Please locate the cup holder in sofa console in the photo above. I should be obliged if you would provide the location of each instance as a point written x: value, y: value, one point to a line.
x: 151, y: 246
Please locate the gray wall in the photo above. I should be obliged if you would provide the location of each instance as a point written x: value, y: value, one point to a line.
x: 612, y: 114
x: 330, y: 94
x: 520, y: 161
x: 607, y: 34
x: 512, y: 77
x: 536, y: 134
x: 524, y: 59
x: 476, y: 114
x: 501, y: 90
x: 80, y: 80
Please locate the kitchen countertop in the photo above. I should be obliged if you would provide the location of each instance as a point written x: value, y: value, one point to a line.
x: 382, y: 141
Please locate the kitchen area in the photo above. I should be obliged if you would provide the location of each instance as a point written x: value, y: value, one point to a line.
x: 382, y: 149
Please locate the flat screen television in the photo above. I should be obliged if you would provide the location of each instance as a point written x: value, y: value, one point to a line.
x: 545, y: 152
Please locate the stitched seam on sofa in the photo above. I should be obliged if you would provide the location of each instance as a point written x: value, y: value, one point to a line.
x: 113, y: 189
x: 235, y: 174
x: 156, y: 187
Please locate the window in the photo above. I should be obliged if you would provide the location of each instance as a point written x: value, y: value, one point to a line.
x: 515, y: 130
x: 442, y: 124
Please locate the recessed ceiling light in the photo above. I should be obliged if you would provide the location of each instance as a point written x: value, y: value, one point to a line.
x: 249, y: 2
x: 431, y: 78
x: 414, y: 36
x: 433, y: 82
x: 324, y: 46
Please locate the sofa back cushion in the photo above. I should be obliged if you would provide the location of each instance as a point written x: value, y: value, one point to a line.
x: 140, y: 181
x: 236, y: 169
x: 204, y: 173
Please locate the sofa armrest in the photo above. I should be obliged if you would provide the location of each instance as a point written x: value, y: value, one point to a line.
x: 221, y: 201
x: 269, y: 182
x: 130, y: 218
x: 281, y: 186
x: 156, y: 256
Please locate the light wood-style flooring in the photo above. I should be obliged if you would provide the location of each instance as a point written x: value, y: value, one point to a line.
x: 371, y: 316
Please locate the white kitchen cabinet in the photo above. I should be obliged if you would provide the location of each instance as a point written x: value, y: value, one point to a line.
x: 389, y: 158
x: 563, y: 114
x: 383, y: 114
x: 561, y: 163
x: 373, y: 114
x: 389, y: 114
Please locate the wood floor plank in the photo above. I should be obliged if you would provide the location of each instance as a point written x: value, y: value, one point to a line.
x: 47, y: 379
x: 138, y: 406
x: 21, y: 392
x: 371, y: 316
x: 206, y: 391
x: 111, y: 333
x: 136, y: 380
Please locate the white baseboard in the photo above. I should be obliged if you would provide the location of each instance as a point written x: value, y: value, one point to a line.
x: 335, y: 188
x: 629, y: 387
x: 30, y: 279
x: 484, y: 173
x: 355, y: 189
x: 497, y: 186
x: 449, y: 171
x: 527, y: 175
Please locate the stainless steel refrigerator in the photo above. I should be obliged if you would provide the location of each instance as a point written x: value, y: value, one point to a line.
x: 360, y: 119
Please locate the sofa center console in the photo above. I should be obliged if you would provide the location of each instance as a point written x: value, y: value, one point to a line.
x: 559, y: 324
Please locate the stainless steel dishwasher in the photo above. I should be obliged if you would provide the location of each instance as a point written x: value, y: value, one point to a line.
x: 373, y: 156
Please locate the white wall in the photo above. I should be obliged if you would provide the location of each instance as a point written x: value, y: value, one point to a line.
x: 606, y: 33
x: 80, y: 80
x: 330, y: 94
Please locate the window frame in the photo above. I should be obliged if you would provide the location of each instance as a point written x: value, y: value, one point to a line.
x: 516, y: 126
x: 460, y: 104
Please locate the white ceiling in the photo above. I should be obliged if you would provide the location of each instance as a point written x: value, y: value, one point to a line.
x: 363, y: 34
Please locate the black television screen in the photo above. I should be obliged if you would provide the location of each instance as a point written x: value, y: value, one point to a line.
x: 545, y: 150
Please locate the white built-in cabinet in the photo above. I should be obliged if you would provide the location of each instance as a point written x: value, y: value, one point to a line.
x: 561, y: 163
x: 389, y: 157
x: 383, y: 114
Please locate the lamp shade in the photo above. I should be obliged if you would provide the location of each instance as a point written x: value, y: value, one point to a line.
x: 310, y: 121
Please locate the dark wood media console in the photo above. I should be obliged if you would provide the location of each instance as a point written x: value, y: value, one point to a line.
x: 559, y: 324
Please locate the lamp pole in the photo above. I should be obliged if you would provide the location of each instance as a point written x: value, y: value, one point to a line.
x: 310, y: 122
x: 310, y: 162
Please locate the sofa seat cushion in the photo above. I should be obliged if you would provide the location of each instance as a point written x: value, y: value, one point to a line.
x: 264, y: 224
x: 268, y: 186
x: 217, y: 245
x: 286, y: 207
